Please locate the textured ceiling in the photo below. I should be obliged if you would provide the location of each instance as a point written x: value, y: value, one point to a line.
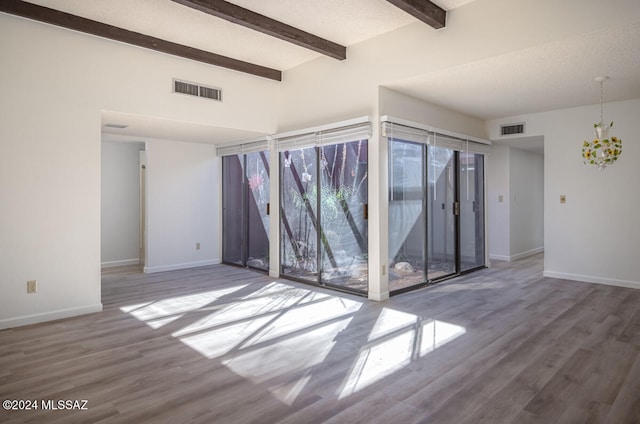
x: 546, y: 77
x: 540, y: 78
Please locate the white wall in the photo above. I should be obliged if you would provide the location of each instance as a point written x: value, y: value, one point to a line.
x: 182, y: 209
x: 120, y: 203
x: 526, y: 223
x: 54, y: 85
x: 498, y: 195
x: 595, y: 235
x: 406, y: 107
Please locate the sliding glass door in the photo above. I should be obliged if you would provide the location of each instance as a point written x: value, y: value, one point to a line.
x: 436, y: 213
x: 233, y: 202
x: 299, y: 213
x: 407, y: 214
x: 472, y: 232
x: 257, y: 177
x: 323, y: 215
x: 441, y: 212
x: 245, y: 200
x: 343, y: 210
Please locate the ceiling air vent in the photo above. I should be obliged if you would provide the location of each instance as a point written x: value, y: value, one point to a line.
x: 197, y: 90
x: 511, y: 129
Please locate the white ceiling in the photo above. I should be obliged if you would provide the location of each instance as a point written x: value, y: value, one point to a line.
x: 545, y: 77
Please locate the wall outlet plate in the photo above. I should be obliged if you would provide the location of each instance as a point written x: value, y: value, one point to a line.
x: 32, y: 286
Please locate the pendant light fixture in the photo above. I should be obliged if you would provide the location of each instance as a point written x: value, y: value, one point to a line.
x: 602, y: 151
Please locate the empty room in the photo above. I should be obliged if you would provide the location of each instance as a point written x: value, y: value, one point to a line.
x: 307, y: 211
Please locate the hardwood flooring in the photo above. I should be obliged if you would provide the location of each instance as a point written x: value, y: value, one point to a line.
x: 226, y: 345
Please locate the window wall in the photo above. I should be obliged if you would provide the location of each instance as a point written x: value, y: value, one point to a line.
x: 323, y: 214
x: 436, y: 210
x: 245, y: 203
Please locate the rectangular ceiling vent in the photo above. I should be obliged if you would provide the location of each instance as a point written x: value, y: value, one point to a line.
x: 197, y: 90
x: 511, y: 129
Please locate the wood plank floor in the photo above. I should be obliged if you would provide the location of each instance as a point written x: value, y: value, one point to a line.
x: 226, y: 345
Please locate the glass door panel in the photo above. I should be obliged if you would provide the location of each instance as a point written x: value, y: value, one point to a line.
x: 342, y: 210
x: 233, y: 230
x: 441, y: 220
x: 472, y: 237
x: 436, y: 213
x: 257, y: 177
x: 407, y: 214
x: 298, y: 214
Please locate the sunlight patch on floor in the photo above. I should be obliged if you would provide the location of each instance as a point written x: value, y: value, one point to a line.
x: 159, y: 313
x: 287, y: 360
x: 277, y: 334
x: 438, y: 333
x: 274, y: 336
x: 288, y: 392
x: 396, y: 339
x: 274, y: 297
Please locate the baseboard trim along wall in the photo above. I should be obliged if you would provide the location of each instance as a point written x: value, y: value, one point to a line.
x: 123, y: 262
x: 185, y: 265
x: 499, y: 257
x: 527, y: 253
x: 590, y: 279
x: 49, y: 316
x: 517, y: 255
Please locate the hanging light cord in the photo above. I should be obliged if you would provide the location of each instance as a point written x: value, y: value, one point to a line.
x: 601, y: 97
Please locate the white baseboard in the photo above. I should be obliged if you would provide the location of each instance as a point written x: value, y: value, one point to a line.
x: 591, y: 279
x: 527, y: 253
x: 123, y: 262
x: 184, y: 265
x: 517, y: 255
x: 49, y: 316
x: 499, y: 257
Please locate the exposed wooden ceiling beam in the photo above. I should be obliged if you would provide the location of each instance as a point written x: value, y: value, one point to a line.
x: 241, y: 16
x: 424, y: 10
x: 77, y: 23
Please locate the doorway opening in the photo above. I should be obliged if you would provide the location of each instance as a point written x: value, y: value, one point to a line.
x: 122, y: 203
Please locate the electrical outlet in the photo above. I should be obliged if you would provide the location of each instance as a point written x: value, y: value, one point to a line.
x: 198, y: 246
x: 32, y: 286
